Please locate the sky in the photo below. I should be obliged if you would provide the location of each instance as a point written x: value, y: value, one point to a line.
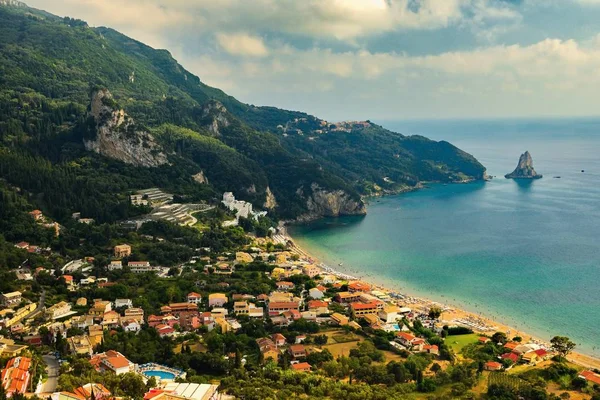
x: 376, y: 59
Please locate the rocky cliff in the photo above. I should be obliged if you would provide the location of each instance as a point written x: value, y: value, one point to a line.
x: 524, y: 169
x: 326, y: 203
x: 214, y: 115
x: 117, y: 136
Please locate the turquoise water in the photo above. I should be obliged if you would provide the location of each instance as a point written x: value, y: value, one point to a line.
x: 526, y: 253
x: 160, y: 374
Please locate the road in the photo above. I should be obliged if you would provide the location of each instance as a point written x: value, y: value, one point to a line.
x: 52, y: 368
x: 39, y: 308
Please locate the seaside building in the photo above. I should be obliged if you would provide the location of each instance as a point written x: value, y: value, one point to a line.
x: 112, y: 361
x: 15, y: 376
x: 10, y: 299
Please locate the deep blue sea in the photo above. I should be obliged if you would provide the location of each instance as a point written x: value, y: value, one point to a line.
x: 525, y: 253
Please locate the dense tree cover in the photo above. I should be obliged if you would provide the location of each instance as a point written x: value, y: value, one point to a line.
x: 48, y: 66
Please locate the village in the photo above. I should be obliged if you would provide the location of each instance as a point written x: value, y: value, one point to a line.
x: 309, y: 313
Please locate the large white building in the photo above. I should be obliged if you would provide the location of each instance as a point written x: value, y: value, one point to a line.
x: 241, y: 208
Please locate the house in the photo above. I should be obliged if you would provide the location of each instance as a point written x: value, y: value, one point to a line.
x: 319, y: 307
x: 315, y: 293
x: 164, y: 330
x: 82, y: 302
x: 112, y: 361
x: 80, y: 345
x: 275, y: 274
x: 8, y: 348
x: 115, y: 265
x: 268, y: 349
x: 130, y: 325
x: 177, y: 308
x: 22, y: 245
x: 69, y: 282
x: 373, y: 320
x: 96, y: 391
x: 347, y: 297
x: 276, y: 308
x: 100, y: 307
x: 278, y: 339
x: 362, y: 309
x: 431, y: 349
x: 140, y: 267
x: 285, y: 286
x: 410, y: 341
x: 297, y: 351
x: 311, y: 270
x: 110, y: 320
x: 15, y: 376
x: 134, y: 313
x: 96, y: 335
x: 58, y: 310
x: 126, y: 303
x: 357, y: 286
x: 309, y: 315
x: 389, y: 314
x: 510, y: 346
x: 484, y: 340
x: 301, y: 367
x: 492, y: 366
x: 122, y: 250
x: 249, y: 309
x: 339, y: 319
x: 531, y: 357
x: 184, y: 391
x: 194, y: 298
x: 11, y: 299
x: 217, y: 300
x: 510, y: 356
x: 36, y: 214
x: 300, y: 339
x: 591, y: 377
x: 542, y: 354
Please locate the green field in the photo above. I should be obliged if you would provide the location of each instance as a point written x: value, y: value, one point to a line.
x: 457, y: 342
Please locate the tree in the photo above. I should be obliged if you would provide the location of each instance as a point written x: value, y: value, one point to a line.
x: 435, y: 312
x: 562, y: 345
x: 499, y: 337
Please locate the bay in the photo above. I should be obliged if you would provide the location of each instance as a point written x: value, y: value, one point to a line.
x: 525, y: 253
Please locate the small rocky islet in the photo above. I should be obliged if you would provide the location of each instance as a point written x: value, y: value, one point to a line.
x: 524, y: 169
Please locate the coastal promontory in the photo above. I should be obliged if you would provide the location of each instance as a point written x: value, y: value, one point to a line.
x: 524, y: 169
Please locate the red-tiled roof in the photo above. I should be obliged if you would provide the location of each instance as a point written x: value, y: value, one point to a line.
x: 405, y: 335
x: 511, y: 356
x: 303, y: 366
x: 591, y: 376
x: 493, y: 364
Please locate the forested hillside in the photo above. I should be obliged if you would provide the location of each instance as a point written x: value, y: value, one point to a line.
x: 50, y: 67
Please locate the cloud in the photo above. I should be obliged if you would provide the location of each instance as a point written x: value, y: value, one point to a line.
x: 343, y: 20
x: 242, y: 44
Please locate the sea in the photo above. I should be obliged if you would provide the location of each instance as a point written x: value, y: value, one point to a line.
x: 525, y: 253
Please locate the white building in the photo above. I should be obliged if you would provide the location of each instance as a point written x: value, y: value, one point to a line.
x: 241, y: 208
x: 115, y: 265
x: 58, y: 310
x: 315, y: 293
x: 123, y: 303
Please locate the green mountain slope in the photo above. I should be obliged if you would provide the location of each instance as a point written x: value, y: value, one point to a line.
x: 50, y: 68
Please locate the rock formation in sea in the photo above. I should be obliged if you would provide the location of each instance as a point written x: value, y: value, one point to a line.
x: 524, y: 169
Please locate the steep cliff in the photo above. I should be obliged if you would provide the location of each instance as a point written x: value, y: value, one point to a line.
x: 117, y: 136
x: 331, y: 203
x: 524, y: 169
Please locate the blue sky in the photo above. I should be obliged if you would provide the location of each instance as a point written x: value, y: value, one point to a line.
x: 376, y: 59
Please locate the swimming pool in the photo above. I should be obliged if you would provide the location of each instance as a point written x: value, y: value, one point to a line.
x: 160, y: 374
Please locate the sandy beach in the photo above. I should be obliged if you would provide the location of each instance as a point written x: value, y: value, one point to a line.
x: 451, y: 314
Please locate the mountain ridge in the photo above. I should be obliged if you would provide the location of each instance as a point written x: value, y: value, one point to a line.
x: 51, y: 65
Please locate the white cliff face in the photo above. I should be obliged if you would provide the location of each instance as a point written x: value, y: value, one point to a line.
x: 118, y: 138
x: 215, y: 114
x: 324, y: 203
x: 270, y: 201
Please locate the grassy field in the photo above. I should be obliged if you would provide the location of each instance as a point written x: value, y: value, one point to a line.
x: 459, y: 341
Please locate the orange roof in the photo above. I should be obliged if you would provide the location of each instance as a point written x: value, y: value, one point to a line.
x: 363, y: 306
x: 194, y: 294
x: 317, y: 304
x: 493, y: 364
x: 296, y: 348
x: 303, y: 366
x: 283, y: 304
x: 511, y: 345
x: 591, y: 376
x: 406, y: 336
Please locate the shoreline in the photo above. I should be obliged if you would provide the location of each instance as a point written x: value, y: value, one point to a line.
x: 478, y: 322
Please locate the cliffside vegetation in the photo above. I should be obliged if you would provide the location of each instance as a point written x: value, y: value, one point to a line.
x: 49, y: 67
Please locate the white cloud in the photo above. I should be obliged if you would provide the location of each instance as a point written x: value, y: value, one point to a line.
x: 242, y: 44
